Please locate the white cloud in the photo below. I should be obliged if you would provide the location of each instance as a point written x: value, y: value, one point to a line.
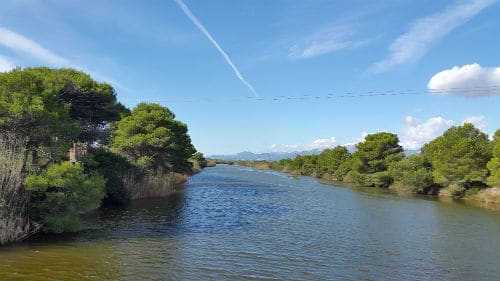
x: 470, y: 80
x: 416, y: 133
x: 356, y: 141
x: 319, y: 144
x: 478, y: 122
x: 325, y: 41
x: 26, y: 46
x: 6, y: 64
x: 205, y: 32
x: 425, y: 32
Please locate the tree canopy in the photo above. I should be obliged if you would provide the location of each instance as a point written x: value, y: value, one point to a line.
x: 53, y: 107
x: 152, y: 137
x: 372, y: 158
x: 494, y: 163
x: 459, y: 156
x: 412, y: 174
x: 329, y: 160
x: 49, y: 110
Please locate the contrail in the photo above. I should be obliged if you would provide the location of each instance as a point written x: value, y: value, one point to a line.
x: 198, y: 24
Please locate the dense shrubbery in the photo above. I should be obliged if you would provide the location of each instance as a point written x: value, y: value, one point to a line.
x: 52, y: 110
x: 113, y: 168
x: 61, y: 193
x: 412, y: 174
x: 494, y: 164
x: 329, y: 160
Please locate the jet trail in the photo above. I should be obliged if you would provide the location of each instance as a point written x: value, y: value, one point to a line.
x: 198, y: 24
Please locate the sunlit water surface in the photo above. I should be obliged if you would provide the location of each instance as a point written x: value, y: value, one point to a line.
x: 235, y: 223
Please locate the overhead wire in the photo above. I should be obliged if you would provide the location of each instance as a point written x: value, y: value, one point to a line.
x: 470, y: 91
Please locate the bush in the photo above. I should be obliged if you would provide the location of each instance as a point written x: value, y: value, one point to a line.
x: 114, y: 168
x: 200, y: 159
x: 61, y: 193
x: 452, y: 191
x: 343, y: 170
x: 472, y: 193
x: 412, y: 174
x: 494, y: 163
x: 380, y: 179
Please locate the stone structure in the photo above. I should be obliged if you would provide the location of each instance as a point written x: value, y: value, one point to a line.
x: 77, y: 151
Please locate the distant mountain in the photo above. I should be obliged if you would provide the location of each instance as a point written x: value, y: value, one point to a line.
x: 268, y: 156
x: 276, y: 156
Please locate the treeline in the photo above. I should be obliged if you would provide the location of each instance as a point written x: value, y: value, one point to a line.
x: 462, y: 162
x: 67, y: 146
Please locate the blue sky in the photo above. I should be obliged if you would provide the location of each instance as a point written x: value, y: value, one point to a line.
x: 277, y: 75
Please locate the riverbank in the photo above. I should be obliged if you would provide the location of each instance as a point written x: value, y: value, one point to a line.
x: 235, y: 223
x: 68, y: 146
x: 488, y: 198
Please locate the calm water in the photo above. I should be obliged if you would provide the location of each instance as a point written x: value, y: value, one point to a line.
x: 234, y: 223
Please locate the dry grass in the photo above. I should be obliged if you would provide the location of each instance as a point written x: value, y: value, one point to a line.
x: 489, y: 195
x: 154, y: 186
x: 14, y: 222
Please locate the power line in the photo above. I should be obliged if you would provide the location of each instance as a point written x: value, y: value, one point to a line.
x: 471, y: 91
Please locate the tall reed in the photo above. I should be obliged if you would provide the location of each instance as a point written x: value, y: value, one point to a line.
x: 14, y: 222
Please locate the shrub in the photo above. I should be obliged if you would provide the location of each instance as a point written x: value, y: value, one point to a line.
x: 200, y: 160
x: 343, y: 169
x: 61, y: 193
x: 494, y: 163
x: 380, y: 179
x: 113, y: 168
x: 452, y: 191
x: 412, y: 174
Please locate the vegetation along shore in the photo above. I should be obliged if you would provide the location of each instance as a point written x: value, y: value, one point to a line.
x: 462, y: 163
x: 67, y: 146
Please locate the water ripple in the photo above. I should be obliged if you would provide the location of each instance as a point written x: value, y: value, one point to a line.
x: 231, y: 223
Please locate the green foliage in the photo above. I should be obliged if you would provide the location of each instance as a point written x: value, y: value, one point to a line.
x: 92, y: 104
x: 412, y: 174
x: 152, y: 138
x: 372, y: 158
x: 61, y: 193
x: 494, y: 164
x: 496, y: 136
x: 452, y: 191
x: 52, y: 108
x: 306, y: 164
x: 472, y: 192
x: 343, y: 169
x: 113, y: 168
x: 200, y: 159
x: 459, y: 156
x: 329, y: 160
x: 29, y: 106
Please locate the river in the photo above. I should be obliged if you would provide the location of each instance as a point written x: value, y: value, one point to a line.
x: 236, y: 223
